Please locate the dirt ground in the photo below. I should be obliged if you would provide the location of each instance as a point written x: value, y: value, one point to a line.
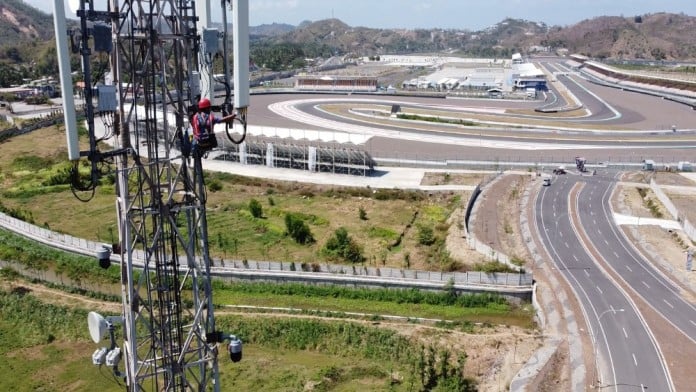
x: 667, y: 248
x: 498, y: 224
x: 498, y: 216
x: 449, y: 178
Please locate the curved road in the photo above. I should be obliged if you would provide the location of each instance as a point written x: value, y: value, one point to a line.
x: 626, y: 352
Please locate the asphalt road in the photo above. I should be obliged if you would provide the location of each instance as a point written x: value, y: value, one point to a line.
x: 625, y: 350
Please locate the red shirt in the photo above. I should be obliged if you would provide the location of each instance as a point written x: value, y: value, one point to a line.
x: 203, y: 124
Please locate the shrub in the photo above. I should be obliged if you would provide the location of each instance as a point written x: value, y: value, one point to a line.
x: 215, y: 186
x: 342, y: 246
x: 298, y: 229
x: 362, y: 214
x: 425, y: 235
x: 255, y: 208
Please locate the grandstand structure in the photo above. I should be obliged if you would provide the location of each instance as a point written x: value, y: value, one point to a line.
x: 336, y: 83
x: 315, y: 156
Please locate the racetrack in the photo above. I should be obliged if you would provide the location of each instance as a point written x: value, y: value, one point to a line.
x: 622, y: 127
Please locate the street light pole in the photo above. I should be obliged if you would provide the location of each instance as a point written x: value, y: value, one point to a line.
x: 596, y: 383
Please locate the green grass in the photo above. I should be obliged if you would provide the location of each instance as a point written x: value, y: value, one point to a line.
x: 280, y: 354
x: 34, y: 174
x: 492, y: 314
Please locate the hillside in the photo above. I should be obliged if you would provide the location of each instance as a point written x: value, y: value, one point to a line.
x: 28, y: 49
x: 652, y: 36
x: 660, y: 36
x: 20, y: 22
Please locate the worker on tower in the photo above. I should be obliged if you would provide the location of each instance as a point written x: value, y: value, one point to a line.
x: 202, y: 124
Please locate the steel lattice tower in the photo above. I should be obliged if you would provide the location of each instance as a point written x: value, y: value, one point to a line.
x: 170, y: 342
x: 168, y: 308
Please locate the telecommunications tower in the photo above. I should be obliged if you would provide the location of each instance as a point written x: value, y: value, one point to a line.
x: 159, y: 55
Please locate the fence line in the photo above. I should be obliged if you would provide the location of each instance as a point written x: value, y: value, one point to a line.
x: 220, y: 267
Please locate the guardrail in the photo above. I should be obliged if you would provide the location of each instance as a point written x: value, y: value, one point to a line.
x: 510, y: 285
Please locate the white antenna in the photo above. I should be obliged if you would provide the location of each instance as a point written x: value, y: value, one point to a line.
x: 99, y: 325
x: 66, y: 79
x: 240, y: 44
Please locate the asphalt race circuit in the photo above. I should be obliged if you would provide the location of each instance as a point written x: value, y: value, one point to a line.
x: 640, y: 126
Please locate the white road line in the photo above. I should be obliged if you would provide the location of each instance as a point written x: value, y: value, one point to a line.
x: 616, y: 254
x: 635, y: 361
x: 566, y: 244
x: 606, y: 242
x: 576, y: 258
x: 625, y: 334
x: 591, y: 213
x: 587, y: 273
x: 629, y: 268
x: 599, y: 231
x: 598, y: 289
x: 692, y: 322
x: 594, y: 221
x: 646, y: 285
x: 560, y: 233
x: 668, y: 304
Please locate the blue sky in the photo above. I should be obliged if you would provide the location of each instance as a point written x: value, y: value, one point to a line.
x: 460, y: 14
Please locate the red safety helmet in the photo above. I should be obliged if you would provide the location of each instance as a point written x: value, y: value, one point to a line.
x: 204, y: 104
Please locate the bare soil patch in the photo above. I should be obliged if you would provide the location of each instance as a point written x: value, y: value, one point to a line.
x: 450, y: 178
x: 667, y: 178
x: 686, y: 205
x: 666, y: 248
x: 498, y: 216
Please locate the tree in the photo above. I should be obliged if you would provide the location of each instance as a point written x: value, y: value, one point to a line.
x: 255, y: 208
x: 298, y: 229
x: 362, y: 214
x: 425, y: 235
x: 341, y: 246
